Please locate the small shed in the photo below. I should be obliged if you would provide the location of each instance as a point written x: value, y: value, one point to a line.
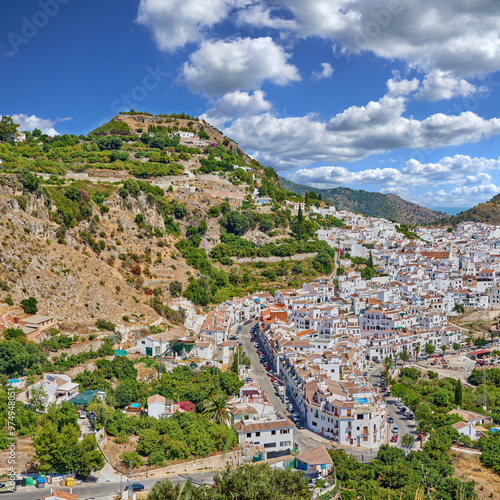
x: 316, y: 461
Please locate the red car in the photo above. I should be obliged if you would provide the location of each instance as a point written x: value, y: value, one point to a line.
x: 267, y: 368
x: 273, y: 379
x: 394, y: 438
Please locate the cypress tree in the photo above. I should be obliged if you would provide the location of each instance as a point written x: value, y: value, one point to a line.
x: 299, y: 222
x: 370, y: 261
x: 458, y: 393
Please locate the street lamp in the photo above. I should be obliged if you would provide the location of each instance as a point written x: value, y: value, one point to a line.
x: 147, y: 467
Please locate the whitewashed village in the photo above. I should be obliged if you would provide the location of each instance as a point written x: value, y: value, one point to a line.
x: 315, y: 351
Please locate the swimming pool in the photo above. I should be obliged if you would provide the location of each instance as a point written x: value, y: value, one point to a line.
x: 361, y: 400
x: 135, y: 405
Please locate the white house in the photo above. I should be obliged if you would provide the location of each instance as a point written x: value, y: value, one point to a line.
x: 154, y: 345
x: 465, y: 429
x: 223, y: 353
x: 273, y: 435
x: 203, y: 350
x: 57, y: 388
x: 159, y: 406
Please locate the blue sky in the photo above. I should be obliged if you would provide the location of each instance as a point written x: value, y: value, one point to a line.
x: 382, y: 95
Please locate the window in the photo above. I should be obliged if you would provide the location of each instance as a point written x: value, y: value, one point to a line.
x: 285, y: 443
x: 249, y: 434
x: 315, y: 424
x: 269, y: 445
x: 257, y: 434
x: 273, y: 433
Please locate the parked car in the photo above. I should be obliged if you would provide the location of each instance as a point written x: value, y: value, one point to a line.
x: 249, y: 380
x: 300, y: 425
x: 268, y: 368
x: 390, y: 420
x: 289, y: 407
x: 83, y: 414
x: 134, y: 487
x: 394, y: 438
x: 395, y: 429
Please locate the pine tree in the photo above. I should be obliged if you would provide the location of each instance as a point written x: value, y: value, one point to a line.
x: 307, y: 200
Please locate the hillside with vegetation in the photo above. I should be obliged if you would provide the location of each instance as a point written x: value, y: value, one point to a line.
x: 487, y: 212
x: 141, y: 210
x: 388, y: 206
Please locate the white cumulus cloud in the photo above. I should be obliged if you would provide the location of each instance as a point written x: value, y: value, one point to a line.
x: 175, y: 23
x: 222, y: 66
x: 397, y: 87
x: 326, y: 72
x: 460, y: 170
x: 32, y: 122
x: 356, y: 133
x: 227, y: 107
x: 438, y: 85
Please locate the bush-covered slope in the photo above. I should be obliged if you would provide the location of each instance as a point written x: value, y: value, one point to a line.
x: 388, y: 206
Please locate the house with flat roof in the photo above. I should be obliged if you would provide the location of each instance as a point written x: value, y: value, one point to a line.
x: 57, y: 388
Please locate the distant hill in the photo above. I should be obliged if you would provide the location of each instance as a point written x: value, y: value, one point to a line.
x: 488, y: 212
x: 388, y: 206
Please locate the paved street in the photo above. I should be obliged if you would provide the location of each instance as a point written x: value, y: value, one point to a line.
x: 110, y: 490
x: 304, y: 438
x: 405, y: 425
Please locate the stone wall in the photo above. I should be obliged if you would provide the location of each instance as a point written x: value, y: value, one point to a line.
x: 216, y: 462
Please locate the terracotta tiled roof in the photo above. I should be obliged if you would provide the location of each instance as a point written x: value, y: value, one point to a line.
x: 316, y: 456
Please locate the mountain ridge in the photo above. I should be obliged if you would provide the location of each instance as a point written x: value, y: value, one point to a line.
x: 388, y: 206
x: 487, y: 212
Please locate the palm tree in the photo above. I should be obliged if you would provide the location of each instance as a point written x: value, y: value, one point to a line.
x: 407, y: 441
x: 217, y: 409
x: 417, y: 350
